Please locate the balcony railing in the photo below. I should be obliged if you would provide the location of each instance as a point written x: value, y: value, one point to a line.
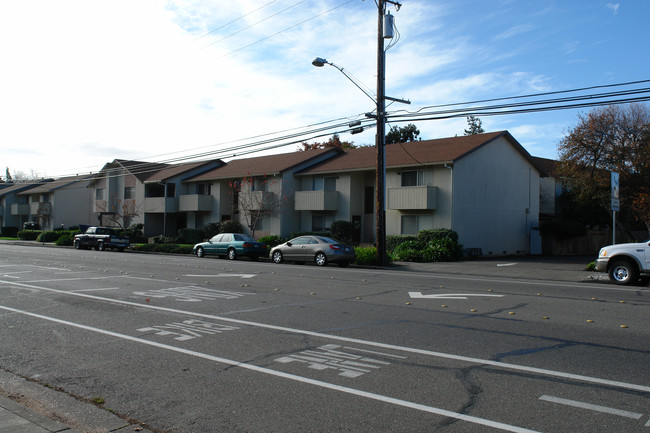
x: 413, y: 198
x: 195, y: 203
x: 257, y: 200
x: 160, y: 204
x: 19, y: 209
x: 317, y: 200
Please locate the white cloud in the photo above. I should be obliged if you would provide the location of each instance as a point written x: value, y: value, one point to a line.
x: 613, y: 7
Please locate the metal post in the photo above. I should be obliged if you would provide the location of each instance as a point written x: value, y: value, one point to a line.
x: 381, y: 140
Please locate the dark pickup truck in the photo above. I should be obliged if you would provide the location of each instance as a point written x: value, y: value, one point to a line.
x: 101, y: 238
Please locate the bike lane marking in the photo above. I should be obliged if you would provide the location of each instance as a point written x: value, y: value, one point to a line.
x: 306, y: 380
x: 497, y: 364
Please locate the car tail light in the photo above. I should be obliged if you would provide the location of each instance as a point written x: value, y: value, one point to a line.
x: 247, y: 245
x: 335, y: 247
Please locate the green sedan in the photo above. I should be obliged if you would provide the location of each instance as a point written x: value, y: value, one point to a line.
x: 231, y: 245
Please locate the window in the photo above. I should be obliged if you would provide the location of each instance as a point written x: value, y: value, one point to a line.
x: 129, y: 192
x: 410, y: 178
x: 412, y: 224
x: 258, y: 184
x: 369, y: 200
x: 204, y: 188
x: 321, y: 223
x: 417, y: 177
x: 99, y: 194
x: 171, y: 190
x: 324, y: 183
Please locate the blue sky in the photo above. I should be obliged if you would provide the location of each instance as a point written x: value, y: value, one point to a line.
x: 84, y: 82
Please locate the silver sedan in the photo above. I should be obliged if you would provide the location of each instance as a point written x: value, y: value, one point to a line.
x: 319, y: 249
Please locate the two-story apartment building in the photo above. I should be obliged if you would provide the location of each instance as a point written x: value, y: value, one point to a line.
x: 485, y: 187
x: 15, y: 209
x: 130, y: 192
x: 60, y: 202
x: 259, y: 192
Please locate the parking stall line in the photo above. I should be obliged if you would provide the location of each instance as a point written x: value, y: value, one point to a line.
x: 593, y: 407
x: 306, y: 380
x: 479, y: 361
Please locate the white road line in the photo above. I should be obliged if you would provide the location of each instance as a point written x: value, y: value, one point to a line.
x: 443, y: 355
x: 590, y: 406
x: 96, y: 290
x: 344, y: 389
x: 221, y: 275
x: 500, y: 265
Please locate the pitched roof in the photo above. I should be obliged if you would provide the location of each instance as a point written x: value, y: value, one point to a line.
x: 20, y: 186
x: 262, y: 165
x: 140, y: 169
x: 178, y: 169
x: 56, y: 184
x: 414, y: 153
x: 548, y: 166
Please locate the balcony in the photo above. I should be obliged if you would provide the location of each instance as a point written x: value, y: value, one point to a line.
x: 317, y: 200
x: 413, y: 198
x: 257, y: 200
x: 40, y: 208
x: 19, y: 209
x: 160, y: 205
x: 195, y: 203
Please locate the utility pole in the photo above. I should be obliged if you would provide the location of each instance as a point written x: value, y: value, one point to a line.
x: 380, y: 141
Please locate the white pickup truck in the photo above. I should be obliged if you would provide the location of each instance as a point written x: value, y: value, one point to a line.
x: 626, y: 263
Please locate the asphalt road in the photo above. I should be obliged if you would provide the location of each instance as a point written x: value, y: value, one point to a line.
x: 182, y: 344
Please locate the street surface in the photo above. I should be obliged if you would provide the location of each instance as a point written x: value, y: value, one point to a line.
x: 182, y: 344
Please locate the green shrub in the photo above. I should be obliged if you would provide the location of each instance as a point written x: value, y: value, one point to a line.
x: 190, y: 236
x: 181, y: 249
x: 342, y: 230
x: 231, y: 226
x: 442, y: 250
x: 65, y: 240
x: 211, y: 229
x: 135, y: 232
x: 426, y: 236
x: 392, y: 241
x: 272, y: 240
x: 591, y: 267
x: 28, y: 235
x: 409, y: 251
x: 49, y: 236
x: 10, y: 231
x: 365, y: 256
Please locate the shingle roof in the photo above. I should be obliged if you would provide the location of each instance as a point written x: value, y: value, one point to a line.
x: 548, y: 166
x: 20, y: 186
x: 56, y: 184
x: 177, y: 169
x: 413, y: 153
x: 262, y: 165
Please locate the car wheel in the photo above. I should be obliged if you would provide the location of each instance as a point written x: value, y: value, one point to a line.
x: 200, y: 252
x: 277, y: 257
x: 623, y: 272
x: 77, y: 245
x: 320, y: 259
x: 100, y: 246
x: 232, y: 254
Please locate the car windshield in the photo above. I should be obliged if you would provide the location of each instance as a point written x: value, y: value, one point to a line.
x: 243, y: 237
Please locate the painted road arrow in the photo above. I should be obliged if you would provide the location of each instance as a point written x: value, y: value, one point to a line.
x: 419, y: 295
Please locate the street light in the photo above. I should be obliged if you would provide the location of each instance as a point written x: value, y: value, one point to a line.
x: 380, y: 138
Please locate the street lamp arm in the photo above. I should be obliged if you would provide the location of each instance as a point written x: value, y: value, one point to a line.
x: 319, y: 62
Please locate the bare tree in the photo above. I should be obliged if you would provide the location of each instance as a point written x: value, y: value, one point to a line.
x: 255, y: 201
x: 121, y: 212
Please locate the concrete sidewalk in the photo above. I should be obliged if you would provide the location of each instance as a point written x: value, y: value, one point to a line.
x: 30, y: 407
